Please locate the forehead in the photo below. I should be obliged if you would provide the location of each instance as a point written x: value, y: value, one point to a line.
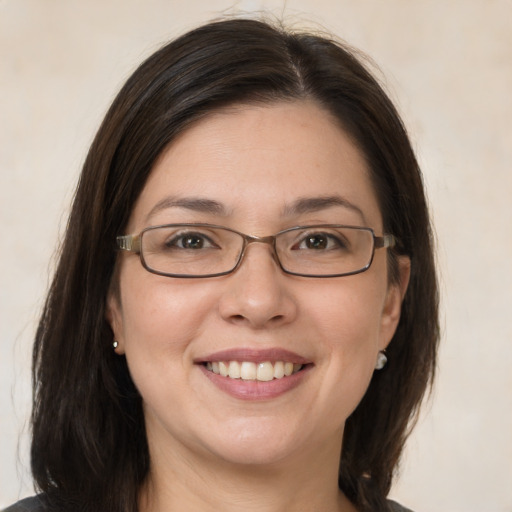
x: 257, y: 161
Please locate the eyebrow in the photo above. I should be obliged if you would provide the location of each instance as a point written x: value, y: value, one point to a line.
x: 314, y: 204
x: 197, y: 204
x: 300, y: 206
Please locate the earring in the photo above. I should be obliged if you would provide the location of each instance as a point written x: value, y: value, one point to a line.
x: 381, y: 360
x: 115, y: 344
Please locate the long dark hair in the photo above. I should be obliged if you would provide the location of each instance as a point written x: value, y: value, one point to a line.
x: 89, y: 448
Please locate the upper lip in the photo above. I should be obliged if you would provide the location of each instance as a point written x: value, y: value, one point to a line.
x: 254, y: 355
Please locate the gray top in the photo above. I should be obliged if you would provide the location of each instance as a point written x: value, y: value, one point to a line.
x: 396, y: 507
x: 34, y: 505
x: 27, y: 505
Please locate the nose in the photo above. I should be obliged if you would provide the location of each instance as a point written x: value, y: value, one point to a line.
x: 258, y: 292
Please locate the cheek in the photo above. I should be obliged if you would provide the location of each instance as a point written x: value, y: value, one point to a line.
x: 346, y: 322
x: 349, y: 313
x: 160, y: 318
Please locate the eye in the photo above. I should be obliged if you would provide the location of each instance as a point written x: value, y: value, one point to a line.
x: 191, y: 241
x: 320, y: 242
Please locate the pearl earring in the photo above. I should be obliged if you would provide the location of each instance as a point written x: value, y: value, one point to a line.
x: 115, y: 344
x: 381, y: 360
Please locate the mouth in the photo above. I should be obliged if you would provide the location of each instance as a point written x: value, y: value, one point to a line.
x: 260, y: 374
x: 265, y: 371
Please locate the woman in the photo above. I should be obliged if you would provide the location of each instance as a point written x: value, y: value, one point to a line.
x: 249, y: 245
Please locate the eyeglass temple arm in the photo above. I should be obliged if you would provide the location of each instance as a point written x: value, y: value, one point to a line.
x: 385, y: 241
x: 129, y: 243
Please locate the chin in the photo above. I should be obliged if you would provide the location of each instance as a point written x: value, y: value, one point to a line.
x: 257, y: 445
x: 250, y: 454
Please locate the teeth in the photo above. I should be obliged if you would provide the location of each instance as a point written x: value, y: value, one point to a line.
x: 247, y: 370
x: 265, y: 372
x: 279, y: 370
x: 234, y: 370
x: 223, y: 369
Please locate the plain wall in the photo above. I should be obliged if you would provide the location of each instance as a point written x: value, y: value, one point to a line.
x: 448, y: 65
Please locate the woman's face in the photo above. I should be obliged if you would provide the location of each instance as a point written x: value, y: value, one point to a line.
x: 257, y: 170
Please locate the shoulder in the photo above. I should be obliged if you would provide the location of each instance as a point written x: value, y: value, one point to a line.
x: 33, y: 504
x: 395, y: 507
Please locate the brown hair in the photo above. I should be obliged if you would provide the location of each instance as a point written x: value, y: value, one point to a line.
x: 89, y: 444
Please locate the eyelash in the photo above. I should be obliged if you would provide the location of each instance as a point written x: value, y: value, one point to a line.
x: 174, y: 242
x: 329, y: 237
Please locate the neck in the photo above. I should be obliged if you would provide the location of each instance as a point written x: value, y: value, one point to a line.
x: 196, y: 482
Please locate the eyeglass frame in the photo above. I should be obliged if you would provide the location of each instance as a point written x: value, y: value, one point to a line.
x: 133, y: 243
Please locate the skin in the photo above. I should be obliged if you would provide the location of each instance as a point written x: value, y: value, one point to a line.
x: 209, y: 450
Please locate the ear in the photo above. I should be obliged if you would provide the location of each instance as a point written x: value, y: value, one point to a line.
x: 114, y: 317
x: 393, y: 302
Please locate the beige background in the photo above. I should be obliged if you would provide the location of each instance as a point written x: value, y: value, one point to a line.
x: 448, y: 64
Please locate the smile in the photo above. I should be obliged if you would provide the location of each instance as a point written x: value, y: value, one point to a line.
x: 248, y: 370
x: 255, y: 374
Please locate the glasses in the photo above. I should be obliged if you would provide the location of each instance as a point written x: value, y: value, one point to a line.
x: 205, y: 250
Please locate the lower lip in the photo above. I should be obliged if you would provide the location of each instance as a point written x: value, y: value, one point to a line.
x: 254, y: 389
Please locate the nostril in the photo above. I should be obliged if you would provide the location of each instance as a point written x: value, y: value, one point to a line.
x: 237, y: 318
x: 240, y: 319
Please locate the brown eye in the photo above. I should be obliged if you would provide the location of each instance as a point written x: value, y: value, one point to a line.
x: 320, y: 242
x: 316, y: 242
x: 192, y: 241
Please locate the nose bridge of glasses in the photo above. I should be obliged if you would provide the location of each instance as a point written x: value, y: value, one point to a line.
x: 267, y: 240
x: 251, y: 239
